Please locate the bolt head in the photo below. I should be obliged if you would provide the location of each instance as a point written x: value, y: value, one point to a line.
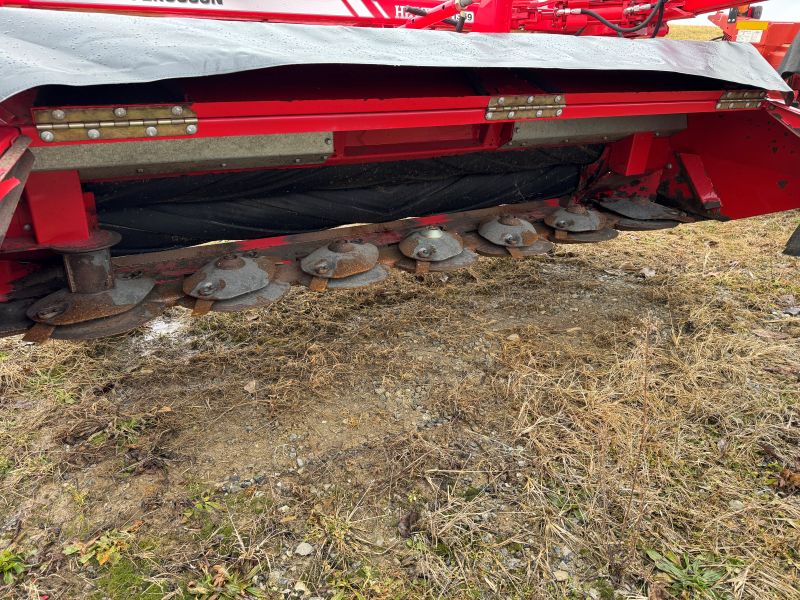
x: 539, y: 113
x: 93, y: 134
x: 322, y: 267
x: 530, y: 99
x: 191, y: 129
x: 341, y: 246
x: 58, y: 114
x: 425, y: 251
x: 501, y: 100
x: 47, y: 136
x: 328, y: 141
x: 561, y: 224
x: 512, y: 114
x: 176, y: 110
x: 559, y: 112
x: 489, y: 115
x: 50, y: 312
x: 206, y: 289
x: 510, y: 220
x: 510, y: 239
x: 151, y: 132
x: 120, y: 112
x: 559, y: 98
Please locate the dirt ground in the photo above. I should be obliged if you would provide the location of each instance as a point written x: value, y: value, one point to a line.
x: 618, y: 420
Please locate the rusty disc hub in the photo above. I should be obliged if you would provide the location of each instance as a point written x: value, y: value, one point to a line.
x: 340, y: 259
x: 66, y: 308
x: 575, y: 219
x: 229, y: 277
x: 508, y: 231
x: 431, y: 244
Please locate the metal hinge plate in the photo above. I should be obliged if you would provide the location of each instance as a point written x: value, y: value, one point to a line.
x: 114, y: 123
x: 740, y: 99
x: 525, y: 107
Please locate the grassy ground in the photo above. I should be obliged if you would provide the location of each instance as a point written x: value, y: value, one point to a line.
x: 568, y: 427
x: 694, y: 32
x: 616, y: 421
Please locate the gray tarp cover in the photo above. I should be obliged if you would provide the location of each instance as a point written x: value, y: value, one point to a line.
x: 39, y: 47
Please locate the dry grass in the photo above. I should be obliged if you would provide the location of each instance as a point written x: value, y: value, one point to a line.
x: 694, y: 32
x: 536, y: 429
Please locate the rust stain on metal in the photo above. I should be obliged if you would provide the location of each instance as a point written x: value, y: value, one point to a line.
x: 39, y: 333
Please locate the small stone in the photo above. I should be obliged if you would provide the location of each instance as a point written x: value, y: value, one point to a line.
x: 302, y: 588
x: 300, y: 462
x: 561, y: 575
x: 304, y: 549
x: 647, y: 272
x: 513, y: 337
x: 736, y: 505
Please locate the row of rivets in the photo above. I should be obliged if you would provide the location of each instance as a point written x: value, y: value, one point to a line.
x: 94, y: 134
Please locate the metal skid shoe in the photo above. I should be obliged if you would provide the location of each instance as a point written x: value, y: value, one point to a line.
x: 577, y: 224
x: 641, y: 214
x: 507, y: 235
x: 234, y: 282
x: 433, y: 250
x: 94, y: 291
x: 343, y: 265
